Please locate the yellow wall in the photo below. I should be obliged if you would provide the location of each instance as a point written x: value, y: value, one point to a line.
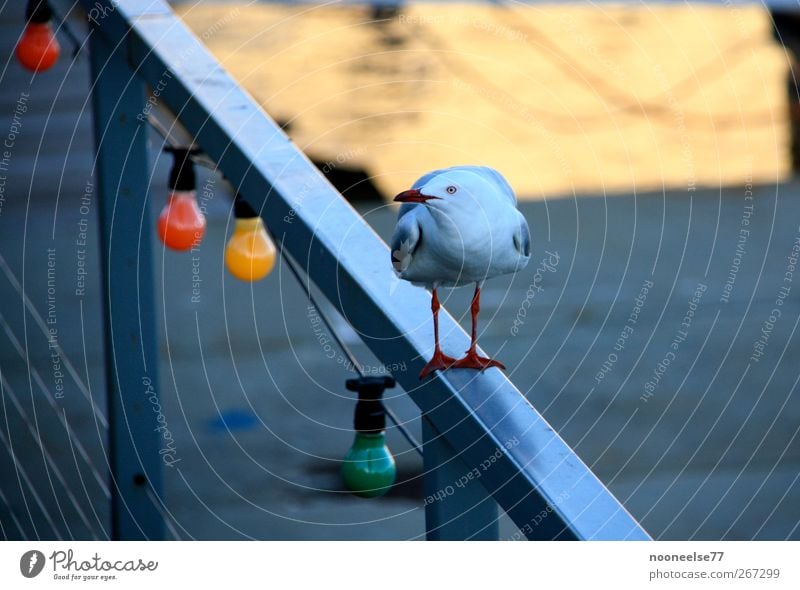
x: 561, y: 99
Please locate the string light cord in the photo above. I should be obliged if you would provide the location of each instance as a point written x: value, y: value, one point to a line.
x: 293, y: 267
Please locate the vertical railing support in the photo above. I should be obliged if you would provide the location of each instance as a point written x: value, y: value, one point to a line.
x: 457, y: 507
x: 129, y: 309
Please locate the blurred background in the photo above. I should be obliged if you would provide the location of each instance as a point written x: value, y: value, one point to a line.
x: 653, y: 147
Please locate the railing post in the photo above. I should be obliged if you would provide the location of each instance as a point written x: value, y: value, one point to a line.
x: 457, y: 507
x: 129, y: 310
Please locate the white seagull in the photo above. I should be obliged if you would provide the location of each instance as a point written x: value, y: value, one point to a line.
x: 459, y: 226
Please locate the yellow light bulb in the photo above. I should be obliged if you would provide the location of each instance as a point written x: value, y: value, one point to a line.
x: 250, y: 253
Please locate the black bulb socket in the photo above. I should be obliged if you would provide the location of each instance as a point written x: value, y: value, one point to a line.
x: 370, y: 416
x: 38, y: 11
x: 181, y: 175
x: 242, y: 209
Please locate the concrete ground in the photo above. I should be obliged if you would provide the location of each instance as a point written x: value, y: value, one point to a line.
x: 697, y: 440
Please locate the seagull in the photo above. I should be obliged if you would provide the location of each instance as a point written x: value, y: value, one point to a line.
x: 459, y: 226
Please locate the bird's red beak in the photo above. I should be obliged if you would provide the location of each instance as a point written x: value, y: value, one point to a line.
x: 412, y: 196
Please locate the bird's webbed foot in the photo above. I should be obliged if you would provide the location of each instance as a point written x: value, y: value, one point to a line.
x: 439, y: 362
x: 474, y: 361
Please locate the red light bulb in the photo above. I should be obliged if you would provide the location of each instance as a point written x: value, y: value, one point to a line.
x: 181, y: 224
x: 38, y: 48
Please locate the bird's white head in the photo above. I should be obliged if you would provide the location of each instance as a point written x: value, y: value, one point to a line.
x: 459, y: 189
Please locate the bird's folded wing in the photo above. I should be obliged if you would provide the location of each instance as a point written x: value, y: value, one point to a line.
x: 495, y: 178
x: 404, y: 242
x: 522, y: 237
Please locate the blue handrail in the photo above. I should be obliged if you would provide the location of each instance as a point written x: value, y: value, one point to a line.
x: 483, y: 441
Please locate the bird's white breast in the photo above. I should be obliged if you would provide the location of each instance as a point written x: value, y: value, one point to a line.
x: 464, y: 245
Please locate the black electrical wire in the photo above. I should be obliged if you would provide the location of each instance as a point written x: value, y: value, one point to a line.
x: 197, y: 155
x: 346, y: 350
x: 292, y: 266
x: 44, y: 8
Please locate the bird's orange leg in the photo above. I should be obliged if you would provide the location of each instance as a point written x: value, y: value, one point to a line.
x: 472, y: 360
x: 440, y: 361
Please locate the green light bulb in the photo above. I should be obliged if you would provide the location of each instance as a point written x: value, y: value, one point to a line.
x: 368, y: 469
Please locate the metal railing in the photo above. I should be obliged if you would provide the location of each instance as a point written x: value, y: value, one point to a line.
x: 468, y: 418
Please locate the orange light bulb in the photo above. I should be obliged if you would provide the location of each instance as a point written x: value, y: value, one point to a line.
x: 38, y: 49
x: 250, y: 253
x: 181, y: 224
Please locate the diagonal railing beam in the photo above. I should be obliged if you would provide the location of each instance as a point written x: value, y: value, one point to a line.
x: 526, y: 467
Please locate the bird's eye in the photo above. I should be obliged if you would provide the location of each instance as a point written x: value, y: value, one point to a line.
x: 451, y: 190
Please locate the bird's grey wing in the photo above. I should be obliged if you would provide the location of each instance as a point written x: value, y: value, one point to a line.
x: 522, y: 237
x: 405, y: 208
x: 495, y: 178
x: 404, y: 242
x: 489, y: 174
